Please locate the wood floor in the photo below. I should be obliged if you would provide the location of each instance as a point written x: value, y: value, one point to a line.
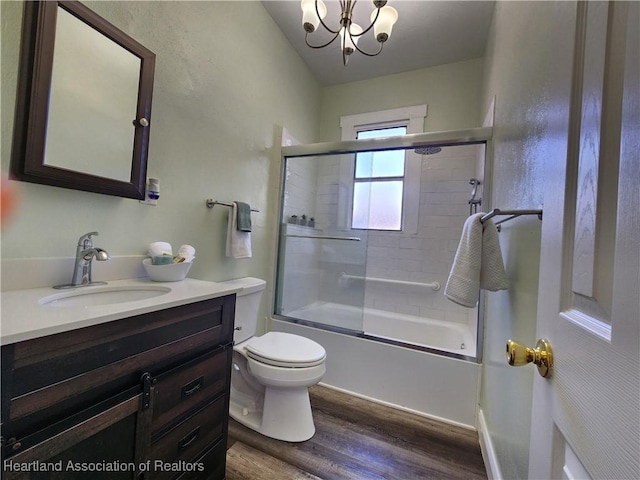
x: 360, y: 440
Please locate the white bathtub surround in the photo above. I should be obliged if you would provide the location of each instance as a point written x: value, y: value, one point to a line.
x: 435, y: 386
x: 437, y: 334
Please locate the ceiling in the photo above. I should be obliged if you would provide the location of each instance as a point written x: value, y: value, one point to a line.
x: 427, y: 33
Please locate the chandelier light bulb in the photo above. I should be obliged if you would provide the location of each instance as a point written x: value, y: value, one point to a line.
x: 349, y: 39
x: 384, y: 24
x: 310, y: 19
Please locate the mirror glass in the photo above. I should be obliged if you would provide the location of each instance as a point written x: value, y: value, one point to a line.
x: 84, y: 102
x: 94, y: 90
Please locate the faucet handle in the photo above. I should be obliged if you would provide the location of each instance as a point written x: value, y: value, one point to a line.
x: 85, y: 240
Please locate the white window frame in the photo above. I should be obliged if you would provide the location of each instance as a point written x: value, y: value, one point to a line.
x: 413, y: 119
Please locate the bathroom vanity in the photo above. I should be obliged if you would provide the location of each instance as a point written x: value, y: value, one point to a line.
x: 136, y: 389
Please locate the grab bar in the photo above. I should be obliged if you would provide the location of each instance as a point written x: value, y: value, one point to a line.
x: 322, y: 237
x: 433, y: 285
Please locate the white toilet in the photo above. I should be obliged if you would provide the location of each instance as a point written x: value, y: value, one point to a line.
x: 271, y: 374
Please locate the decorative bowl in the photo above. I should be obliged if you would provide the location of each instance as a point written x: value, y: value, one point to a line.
x: 173, y: 272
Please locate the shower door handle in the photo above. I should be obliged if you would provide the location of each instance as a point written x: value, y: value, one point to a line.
x: 519, y: 354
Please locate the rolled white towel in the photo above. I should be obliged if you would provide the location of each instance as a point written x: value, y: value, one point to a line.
x: 158, y: 249
x: 186, y: 253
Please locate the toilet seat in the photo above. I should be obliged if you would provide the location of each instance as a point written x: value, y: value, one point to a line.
x: 285, y: 350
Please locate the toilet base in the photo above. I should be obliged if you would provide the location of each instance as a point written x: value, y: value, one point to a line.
x: 286, y: 415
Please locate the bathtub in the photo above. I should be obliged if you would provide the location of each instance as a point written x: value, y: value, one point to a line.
x: 423, y: 381
x: 440, y: 335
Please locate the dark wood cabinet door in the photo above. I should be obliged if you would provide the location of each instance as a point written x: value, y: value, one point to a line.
x: 103, y: 446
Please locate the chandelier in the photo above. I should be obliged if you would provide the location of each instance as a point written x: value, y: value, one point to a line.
x: 382, y: 20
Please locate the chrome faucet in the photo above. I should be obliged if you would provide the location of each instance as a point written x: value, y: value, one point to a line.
x: 85, y: 253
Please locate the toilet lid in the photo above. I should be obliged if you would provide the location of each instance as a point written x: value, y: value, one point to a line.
x: 285, y: 350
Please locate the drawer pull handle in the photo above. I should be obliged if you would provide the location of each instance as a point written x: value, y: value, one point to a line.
x: 189, y: 439
x: 192, y: 387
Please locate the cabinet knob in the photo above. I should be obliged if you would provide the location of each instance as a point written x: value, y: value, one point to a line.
x: 143, y: 122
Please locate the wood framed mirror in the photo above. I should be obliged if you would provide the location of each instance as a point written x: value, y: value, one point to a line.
x: 83, y: 108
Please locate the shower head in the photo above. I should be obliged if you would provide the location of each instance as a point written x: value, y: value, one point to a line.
x: 427, y: 150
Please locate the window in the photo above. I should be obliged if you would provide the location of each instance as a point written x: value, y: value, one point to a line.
x: 384, y: 187
x: 378, y: 185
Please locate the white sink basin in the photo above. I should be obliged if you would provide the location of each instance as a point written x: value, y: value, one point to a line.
x: 104, y: 295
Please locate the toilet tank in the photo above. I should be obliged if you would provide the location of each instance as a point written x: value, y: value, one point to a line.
x: 247, y: 306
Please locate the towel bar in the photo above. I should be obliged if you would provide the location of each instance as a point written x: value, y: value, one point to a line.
x: 513, y: 214
x: 210, y: 202
x: 323, y: 237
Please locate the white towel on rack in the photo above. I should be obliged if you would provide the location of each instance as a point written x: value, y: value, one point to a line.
x: 238, y: 243
x: 477, y: 264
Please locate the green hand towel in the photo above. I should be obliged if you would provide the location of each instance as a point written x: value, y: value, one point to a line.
x: 244, y: 217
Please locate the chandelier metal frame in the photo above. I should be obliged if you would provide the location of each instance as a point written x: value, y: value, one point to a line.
x: 346, y: 20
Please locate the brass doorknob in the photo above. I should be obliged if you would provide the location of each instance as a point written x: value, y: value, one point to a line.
x: 519, y: 354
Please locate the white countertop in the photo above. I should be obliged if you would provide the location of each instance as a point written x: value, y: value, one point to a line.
x: 24, y: 318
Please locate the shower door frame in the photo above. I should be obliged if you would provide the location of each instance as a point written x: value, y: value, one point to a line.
x: 447, y: 138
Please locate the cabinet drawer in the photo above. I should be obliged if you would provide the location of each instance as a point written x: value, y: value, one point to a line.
x: 188, y: 440
x: 183, y: 388
x: 212, y: 462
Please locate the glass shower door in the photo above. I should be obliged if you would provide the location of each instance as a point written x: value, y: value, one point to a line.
x: 321, y: 259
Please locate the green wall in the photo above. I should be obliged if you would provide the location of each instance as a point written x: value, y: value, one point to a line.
x: 452, y: 93
x: 225, y: 80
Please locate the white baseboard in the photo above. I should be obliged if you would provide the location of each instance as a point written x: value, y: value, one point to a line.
x: 398, y: 407
x: 488, y: 452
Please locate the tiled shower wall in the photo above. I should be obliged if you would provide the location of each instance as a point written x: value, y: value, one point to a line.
x: 299, y: 259
x: 428, y: 255
x: 300, y: 183
x: 425, y: 256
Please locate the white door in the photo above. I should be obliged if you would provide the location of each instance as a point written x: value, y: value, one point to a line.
x: 586, y: 415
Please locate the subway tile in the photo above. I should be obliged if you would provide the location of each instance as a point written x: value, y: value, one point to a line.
x: 414, y: 242
x: 434, y: 219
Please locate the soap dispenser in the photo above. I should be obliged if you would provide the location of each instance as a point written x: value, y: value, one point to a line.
x: 152, y: 192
